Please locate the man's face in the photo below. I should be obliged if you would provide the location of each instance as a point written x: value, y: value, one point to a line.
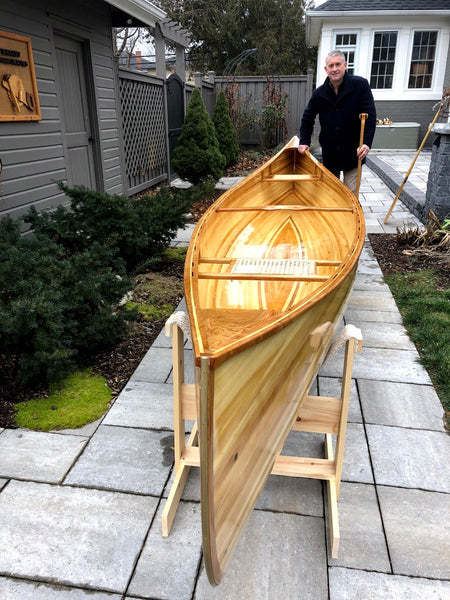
x: 335, y: 69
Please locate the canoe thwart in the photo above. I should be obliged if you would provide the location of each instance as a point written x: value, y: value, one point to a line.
x: 263, y: 276
x: 278, y: 207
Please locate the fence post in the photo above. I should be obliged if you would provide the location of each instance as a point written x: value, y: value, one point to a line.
x: 198, y: 79
x: 309, y: 83
x: 180, y: 63
x: 160, y: 51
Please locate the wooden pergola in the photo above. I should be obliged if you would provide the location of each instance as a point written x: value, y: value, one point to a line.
x: 141, y: 13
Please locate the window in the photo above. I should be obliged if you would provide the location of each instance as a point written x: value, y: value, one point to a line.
x: 346, y: 43
x: 383, y: 59
x: 422, y: 59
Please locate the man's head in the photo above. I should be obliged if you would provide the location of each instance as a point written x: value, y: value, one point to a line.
x: 335, y: 67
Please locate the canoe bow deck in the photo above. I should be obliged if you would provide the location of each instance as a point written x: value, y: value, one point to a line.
x: 268, y: 272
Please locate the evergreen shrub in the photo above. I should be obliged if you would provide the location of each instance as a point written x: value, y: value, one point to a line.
x: 197, y: 155
x: 225, y: 130
x: 133, y: 229
x: 59, y: 286
x: 55, y: 310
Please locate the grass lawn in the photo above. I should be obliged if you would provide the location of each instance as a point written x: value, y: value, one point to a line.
x: 425, y: 309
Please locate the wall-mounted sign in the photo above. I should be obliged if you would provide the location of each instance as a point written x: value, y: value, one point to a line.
x: 19, y: 100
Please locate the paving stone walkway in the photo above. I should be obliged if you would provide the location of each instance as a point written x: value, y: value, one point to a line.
x: 80, y: 510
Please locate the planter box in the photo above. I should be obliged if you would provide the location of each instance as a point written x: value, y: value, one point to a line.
x: 398, y: 136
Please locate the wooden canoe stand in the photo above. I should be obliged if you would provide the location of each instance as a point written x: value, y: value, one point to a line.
x: 318, y: 414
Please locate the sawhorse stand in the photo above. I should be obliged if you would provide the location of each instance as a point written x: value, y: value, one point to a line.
x: 318, y: 414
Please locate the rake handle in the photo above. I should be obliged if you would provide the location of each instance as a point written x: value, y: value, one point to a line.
x: 413, y: 163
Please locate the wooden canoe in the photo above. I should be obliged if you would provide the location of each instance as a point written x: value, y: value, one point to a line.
x: 268, y: 271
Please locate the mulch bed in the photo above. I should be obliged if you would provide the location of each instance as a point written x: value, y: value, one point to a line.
x: 396, y: 257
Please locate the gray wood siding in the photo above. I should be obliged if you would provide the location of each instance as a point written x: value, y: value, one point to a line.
x: 32, y: 153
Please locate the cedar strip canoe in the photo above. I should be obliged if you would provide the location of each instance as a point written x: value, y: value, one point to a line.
x: 268, y: 272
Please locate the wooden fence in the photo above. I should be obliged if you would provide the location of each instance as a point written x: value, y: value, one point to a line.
x: 144, y: 129
x: 252, y: 92
x: 145, y: 119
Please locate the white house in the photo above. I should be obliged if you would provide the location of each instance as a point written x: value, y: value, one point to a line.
x: 400, y: 46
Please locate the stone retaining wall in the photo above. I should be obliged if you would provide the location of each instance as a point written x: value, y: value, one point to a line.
x: 437, y: 197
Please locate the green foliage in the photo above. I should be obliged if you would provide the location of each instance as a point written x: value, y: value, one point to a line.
x: 55, y: 310
x: 157, y: 289
x: 273, y: 115
x: 225, y: 130
x: 243, y: 115
x: 221, y: 30
x: 426, y: 314
x: 150, y: 312
x: 178, y: 253
x: 158, y: 263
x: 130, y: 230
x: 197, y: 155
x: 59, y: 287
x: 80, y: 399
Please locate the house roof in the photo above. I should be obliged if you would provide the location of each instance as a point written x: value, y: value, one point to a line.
x: 350, y: 9
x: 359, y: 5
x: 141, y: 13
x: 143, y: 10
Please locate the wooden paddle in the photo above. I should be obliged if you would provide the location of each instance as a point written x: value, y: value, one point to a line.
x: 363, y: 117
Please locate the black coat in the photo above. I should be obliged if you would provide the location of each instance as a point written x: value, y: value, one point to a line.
x: 340, y: 125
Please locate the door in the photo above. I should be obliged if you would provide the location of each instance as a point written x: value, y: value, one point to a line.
x: 75, y: 112
x: 175, y: 109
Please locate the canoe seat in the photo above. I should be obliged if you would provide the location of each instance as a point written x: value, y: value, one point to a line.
x: 293, y: 177
x: 279, y: 266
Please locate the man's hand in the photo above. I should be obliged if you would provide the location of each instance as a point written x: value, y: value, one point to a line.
x: 363, y: 151
x: 303, y: 148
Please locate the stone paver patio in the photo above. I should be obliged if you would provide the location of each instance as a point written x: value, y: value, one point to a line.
x: 81, y: 510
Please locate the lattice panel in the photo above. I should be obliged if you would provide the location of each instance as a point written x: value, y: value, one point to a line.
x: 144, y: 131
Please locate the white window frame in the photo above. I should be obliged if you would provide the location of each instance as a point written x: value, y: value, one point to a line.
x: 356, y: 32
x: 394, y: 74
x: 435, y: 63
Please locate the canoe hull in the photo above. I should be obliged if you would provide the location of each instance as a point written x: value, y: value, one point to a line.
x: 247, y: 407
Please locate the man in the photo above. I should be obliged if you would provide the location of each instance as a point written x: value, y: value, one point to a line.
x: 339, y: 102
